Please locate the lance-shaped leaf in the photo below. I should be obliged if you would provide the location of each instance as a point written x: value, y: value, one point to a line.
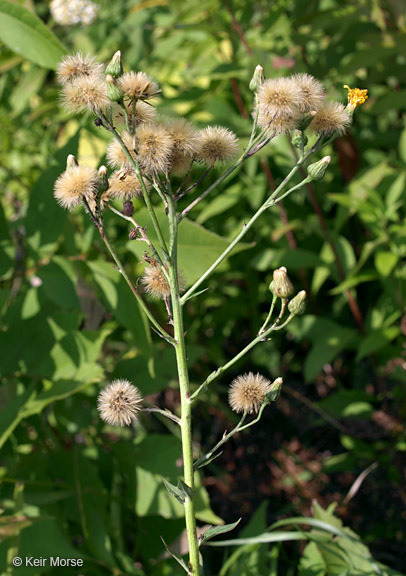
x: 213, y: 531
x: 176, y: 557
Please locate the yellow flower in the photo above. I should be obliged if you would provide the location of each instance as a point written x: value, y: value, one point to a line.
x: 356, y: 97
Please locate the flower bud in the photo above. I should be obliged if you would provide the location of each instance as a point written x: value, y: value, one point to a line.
x: 274, y: 390
x: 128, y: 208
x: 317, y: 170
x: 305, y: 120
x: 115, y: 67
x: 282, y: 286
x: 71, y: 161
x: 271, y: 289
x: 257, y: 79
x: 297, y: 305
x: 299, y: 139
x: 104, y: 182
x: 114, y: 93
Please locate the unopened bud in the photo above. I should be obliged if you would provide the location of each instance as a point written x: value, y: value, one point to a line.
x: 317, y: 170
x: 297, y: 305
x: 133, y: 234
x: 71, y: 162
x: 271, y: 287
x: 299, y: 139
x: 104, y: 182
x: 128, y: 208
x: 282, y: 286
x: 258, y: 79
x: 114, y: 93
x: 274, y: 390
x: 115, y: 67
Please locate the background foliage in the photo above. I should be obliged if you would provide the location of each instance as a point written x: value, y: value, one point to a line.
x: 74, y: 487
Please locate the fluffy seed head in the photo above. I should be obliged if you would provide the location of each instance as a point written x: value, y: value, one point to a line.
x: 76, y: 65
x: 184, y: 140
x: 216, y: 144
x: 74, y: 184
x: 154, y: 147
x: 280, y: 124
x: 331, y: 117
x: 119, y: 403
x: 247, y: 393
x: 115, y: 154
x: 123, y: 185
x: 85, y: 94
x: 156, y: 284
x: 279, y: 97
x: 312, y: 92
x: 138, y: 86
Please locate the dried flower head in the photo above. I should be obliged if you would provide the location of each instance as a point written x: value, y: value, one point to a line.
x: 247, y: 393
x: 74, y: 184
x: 116, y: 157
x: 76, y: 65
x: 356, y: 97
x: 156, y: 284
x: 216, y: 144
x: 123, y: 185
x: 331, y: 117
x: 184, y: 140
x: 85, y: 94
x: 71, y: 12
x: 278, y: 97
x: 138, y: 86
x: 312, y: 92
x: 154, y: 147
x: 278, y: 124
x: 119, y: 403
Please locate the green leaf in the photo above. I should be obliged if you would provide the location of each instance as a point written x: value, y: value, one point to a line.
x: 198, y: 248
x: 26, y: 34
x: 176, y: 557
x: 348, y: 404
x: 385, y: 262
x: 216, y: 530
x: 121, y: 302
x: 176, y: 491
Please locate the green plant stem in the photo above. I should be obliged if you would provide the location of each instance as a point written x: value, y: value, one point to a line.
x: 183, y: 374
x: 122, y: 271
x: 210, y: 455
x: 259, y: 338
x: 271, y: 201
x: 268, y: 318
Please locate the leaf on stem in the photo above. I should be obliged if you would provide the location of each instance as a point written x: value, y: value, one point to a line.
x: 213, y: 531
x: 176, y: 557
x: 177, y: 491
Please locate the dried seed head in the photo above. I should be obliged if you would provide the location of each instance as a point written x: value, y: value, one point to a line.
x: 116, y: 157
x: 154, y: 147
x: 76, y: 65
x: 247, y: 393
x: 312, y: 92
x: 119, y: 403
x: 156, y: 284
x: 74, y: 184
x: 280, y: 124
x: 282, y: 286
x: 184, y: 139
x: 123, y: 185
x: 331, y: 117
x: 216, y: 144
x: 85, y: 94
x: 278, y: 97
x: 138, y: 86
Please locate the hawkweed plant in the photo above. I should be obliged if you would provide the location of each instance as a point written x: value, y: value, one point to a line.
x: 147, y: 156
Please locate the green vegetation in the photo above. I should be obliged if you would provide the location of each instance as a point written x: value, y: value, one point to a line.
x: 319, y: 481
